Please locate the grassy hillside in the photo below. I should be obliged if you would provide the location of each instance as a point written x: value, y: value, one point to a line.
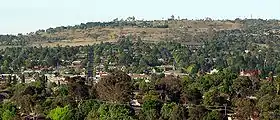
x: 183, y: 30
x: 151, y: 31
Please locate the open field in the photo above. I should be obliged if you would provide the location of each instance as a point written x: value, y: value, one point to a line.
x: 183, y: 30
x: 75, y: 42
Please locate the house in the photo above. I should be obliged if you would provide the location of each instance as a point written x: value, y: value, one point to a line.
x: 178, y: 74
x: 55, y: 79
x: 167, y: 67
x: 252, y: 97
x: 42, y: 68
x: 169, y: 73
x: 100, y: 67
x: 250, y: 73
x: 76, y: 63
x: 100, y: 74
x: 81, y: 56
x: 4, y: 77
x: 138, y: 76
x: 213, y: 71
x: 135, y: 103
x: 161, y: 60
x: 29, y: 79
x: 28, y: 72
x: 125, y: 50
x: 32, y: 116
x: 175, y: 73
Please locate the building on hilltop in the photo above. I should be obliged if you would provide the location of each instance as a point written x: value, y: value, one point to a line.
x: 249, y: 73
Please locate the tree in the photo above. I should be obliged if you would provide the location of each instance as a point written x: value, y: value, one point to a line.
x: 116, y: 87
x: 7, y: 111
x: 242, y: 86
x: 23, y: 97
x: 212, y: 98
x: 14, y: 80
x: 197, y: 112
x: 93, y: 115
x: 115, y: 112
x: 277, y: 82
x: 191, y: 96
x: 77, y: 88
x: 172, y: 88
x: 59, y: 113
x: 151, y: 95
x: 244, y: 108
x: 62, y: 90
x: 269, y: 107
x: 5, y: 66
x: 150, y: 110
x: 213, y: 115
x: 110, y: 112
x: 85, y: 107
x: 8, y: 115
x: 172, y: 111
x: 266, y: 88
x: 172, y: 17
x: 22, y: 77
x: 146, y: 86
x: 192, y: 69
x: 9, y: 80
x: 125, y: 59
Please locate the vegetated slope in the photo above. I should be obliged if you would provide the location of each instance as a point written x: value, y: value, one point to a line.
x: 181, y: 31
x: 150, y: 31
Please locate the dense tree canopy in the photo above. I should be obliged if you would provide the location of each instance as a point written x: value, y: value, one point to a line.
x: 116, y: 87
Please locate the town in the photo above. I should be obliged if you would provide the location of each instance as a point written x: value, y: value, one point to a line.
x: 174, y: 69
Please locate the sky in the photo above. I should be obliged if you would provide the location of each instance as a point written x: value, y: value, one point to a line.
x: 24, y: 16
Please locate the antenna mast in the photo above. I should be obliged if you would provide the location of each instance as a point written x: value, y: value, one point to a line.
x: 90, y: 65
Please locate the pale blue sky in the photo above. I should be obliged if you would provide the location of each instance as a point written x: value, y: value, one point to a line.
x: 22, y: 16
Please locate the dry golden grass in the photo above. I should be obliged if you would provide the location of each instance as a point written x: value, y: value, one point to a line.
x: 74, y: 42
x: 176, y: 30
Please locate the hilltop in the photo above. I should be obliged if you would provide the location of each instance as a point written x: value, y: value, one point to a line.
x: 184, y: 30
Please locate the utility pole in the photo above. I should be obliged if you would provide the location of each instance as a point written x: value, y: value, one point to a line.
x: 225, y: 105
x: 90, y: 65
